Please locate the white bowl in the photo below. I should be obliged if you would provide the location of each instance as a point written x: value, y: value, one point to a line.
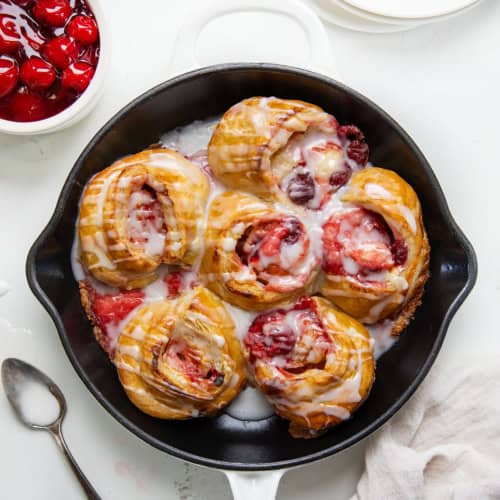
x: 85, y: 103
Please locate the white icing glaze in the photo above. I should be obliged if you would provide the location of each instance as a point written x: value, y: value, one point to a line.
x: 408, y: 216
x: 382, y: 338
x: 242, y: 319
x: 191, y: 138
x: 251, y: 405
x: 377, y: 191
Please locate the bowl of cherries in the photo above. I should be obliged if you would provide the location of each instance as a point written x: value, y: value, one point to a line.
x: 53, y: 55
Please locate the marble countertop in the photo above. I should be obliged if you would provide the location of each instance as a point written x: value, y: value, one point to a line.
x: 439, y: 81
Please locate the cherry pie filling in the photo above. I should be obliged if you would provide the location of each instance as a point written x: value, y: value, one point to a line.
x: 110, y: 309
x: 187, y: 359
x: 321, y: 163
x: 293, y: 340
x: 359, y: 243
x: 146, y: 223
x: 275, y: 248
x: 49, y: 50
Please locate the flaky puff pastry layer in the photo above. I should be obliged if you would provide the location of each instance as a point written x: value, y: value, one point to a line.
x: 397, y: 291
x: 255, y: 255
x: 313, y: 363
x: 179, y: 359
x: 251, y: 132
x: 140, y: 212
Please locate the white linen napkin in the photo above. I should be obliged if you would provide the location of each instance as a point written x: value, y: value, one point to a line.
x: 444, y: 444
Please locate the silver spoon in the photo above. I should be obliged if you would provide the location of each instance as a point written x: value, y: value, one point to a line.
x: 15, y: 375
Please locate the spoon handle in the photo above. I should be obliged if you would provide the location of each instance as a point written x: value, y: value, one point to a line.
x: 87, y: 487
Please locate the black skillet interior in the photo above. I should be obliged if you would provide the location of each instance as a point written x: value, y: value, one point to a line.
x: 225, y: 442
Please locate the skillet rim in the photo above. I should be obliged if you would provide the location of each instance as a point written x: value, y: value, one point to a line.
x: 461, y: 240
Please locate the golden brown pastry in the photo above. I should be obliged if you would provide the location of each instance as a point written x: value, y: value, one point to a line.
x: 140, y: 212
x: 376, y: 253
x: 179, y: 359
x: 256, y: 256
x: 313, y: 363
x: 285, y: 149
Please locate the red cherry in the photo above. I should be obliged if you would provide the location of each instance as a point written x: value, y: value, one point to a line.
x: 83, y: 29
x: 9, y: 74
x: 27, y: 107
x: 10, y: 39
x: 60, y: 51
x: 37, y: 73
x: 77, y: 76
x: 52, y: 12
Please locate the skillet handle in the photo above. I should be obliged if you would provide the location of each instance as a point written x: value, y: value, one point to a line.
x: 320, y: 51
x: 254, y: 485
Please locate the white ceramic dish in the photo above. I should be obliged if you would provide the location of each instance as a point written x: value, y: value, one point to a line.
x: 334, y: 14
x: 400, y: 21
x: 411, y: 10
x: 84, y: 104
x: 185, y: 55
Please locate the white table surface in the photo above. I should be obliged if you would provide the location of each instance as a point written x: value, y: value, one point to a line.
x: 440, y: 82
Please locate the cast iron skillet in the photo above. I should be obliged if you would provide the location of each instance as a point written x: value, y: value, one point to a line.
x: 225, y: 442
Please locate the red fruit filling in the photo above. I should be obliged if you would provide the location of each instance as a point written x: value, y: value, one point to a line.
x: 319, y: 169
x: 77, y: 76
x: 294, y: 338
x: 359, y: 243
x: 45, y: 38
x: 145, y: 224
x: 9, y: 74
x: 357, y: 148
x: 339, y: 178
x: 301, y: 188
x: 83, y: 29
x: 53, y: 13
x: 26, y: 107
x: 37, y: 74
x: 183, y: 358
x: 174, y: 283
x: 60, y: 51
x: 109, y: 310
x: 10, y: 39
x: 263, y: 246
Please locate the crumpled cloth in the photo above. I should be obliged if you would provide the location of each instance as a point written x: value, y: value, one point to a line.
x: 444, y: 444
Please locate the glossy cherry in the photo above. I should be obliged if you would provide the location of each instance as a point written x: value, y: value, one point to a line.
x: 53, y: 13
x: 301, y: 188
x: 39, y: 40
x: 358, y: 149
x: 26, y: 107
x: 37, y: 74
x: 77, y: 76
x: 9, y: 74
x: 60, y: 51
x: 83, y: 29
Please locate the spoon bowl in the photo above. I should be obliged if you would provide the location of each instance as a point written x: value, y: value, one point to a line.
x: 17, y: 376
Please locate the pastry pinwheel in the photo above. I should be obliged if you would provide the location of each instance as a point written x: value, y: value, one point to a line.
x: 140, y: 212
x: 313, y: 363
x: 256, y: 256
x: 285, y: 150
x: 376, y: 253
x: 181, y: 359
